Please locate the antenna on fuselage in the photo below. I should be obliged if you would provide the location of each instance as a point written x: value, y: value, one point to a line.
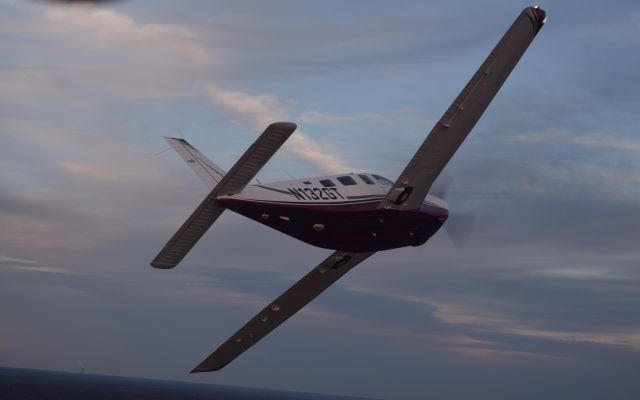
x: 288, y: 174
x: 163, y: 151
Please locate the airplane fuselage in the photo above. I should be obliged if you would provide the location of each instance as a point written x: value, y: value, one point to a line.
x: 339, y: 212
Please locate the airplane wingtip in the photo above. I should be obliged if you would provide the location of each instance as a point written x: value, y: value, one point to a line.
x: 208, y: 366
x: 539, y: 16
x: 203, y: 369
x: 286, y: 125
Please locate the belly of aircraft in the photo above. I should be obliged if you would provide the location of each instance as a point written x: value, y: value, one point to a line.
x: 355, y: 227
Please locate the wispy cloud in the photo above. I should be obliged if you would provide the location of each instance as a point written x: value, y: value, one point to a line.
x: 32, y: 266
x: 88, y: 171
x: 203, y: 289
x: 611, y: 141
x: 482, y: 318
x: 316, y: 117
x: 104, y: 50
x: 489, y: 354
x: 144, y: 60
x: 17, y: 261
x: 75, y: 179
x: 256, y: 112
x: 500, y: 322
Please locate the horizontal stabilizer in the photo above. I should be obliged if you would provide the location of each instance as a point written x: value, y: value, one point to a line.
x: 255, y: 157
x: 289, y: 303
x: 189, y: 233
x: 233, y: 182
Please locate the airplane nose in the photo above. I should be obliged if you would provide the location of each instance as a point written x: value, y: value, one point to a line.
x: 444, y: 215
x: 437, y: 211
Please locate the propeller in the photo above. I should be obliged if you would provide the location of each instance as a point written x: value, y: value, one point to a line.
x: 458, y: 226
x: 442, y: 186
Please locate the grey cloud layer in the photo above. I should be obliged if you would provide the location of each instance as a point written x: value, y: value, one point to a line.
x: 542, y: 302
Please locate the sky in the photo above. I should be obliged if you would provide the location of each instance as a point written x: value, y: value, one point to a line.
x: 543, y: 300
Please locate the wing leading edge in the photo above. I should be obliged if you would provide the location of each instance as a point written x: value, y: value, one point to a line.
x: 289, y: 303
x: 411, y: 188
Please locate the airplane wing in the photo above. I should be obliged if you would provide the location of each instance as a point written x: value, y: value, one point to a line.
x: 290, y: 302
x: 411, y: 188
x: 233, y: 182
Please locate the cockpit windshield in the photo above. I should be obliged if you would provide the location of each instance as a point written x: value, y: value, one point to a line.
x: 382, y: 180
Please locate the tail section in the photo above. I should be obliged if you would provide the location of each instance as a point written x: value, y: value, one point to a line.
x: 231, y: 183
x: 209, y: 172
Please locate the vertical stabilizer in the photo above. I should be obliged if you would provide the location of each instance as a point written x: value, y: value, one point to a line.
x: 209, y: 172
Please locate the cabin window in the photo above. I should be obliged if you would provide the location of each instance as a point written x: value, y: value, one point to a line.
x: 382, y: 180
x: 366, y: 179
x: 307, y: 182
x: 347, y: 180
x: 327, y: 183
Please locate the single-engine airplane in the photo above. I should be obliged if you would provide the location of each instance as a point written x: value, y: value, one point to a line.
x: 355, y: 214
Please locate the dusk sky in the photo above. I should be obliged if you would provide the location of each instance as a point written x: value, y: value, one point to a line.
x: 543, y: 301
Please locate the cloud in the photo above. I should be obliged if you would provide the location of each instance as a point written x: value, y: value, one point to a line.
x: 488, y: 317
x: 31, y: 266
x: 550, y: 272
x: 316, y: 117
x: 70, y: 53
x: 207, y: 290
x: 614, y: 29
x: 12, y: 260
x: 122, y: 58
x: 611, y: 141
x: 83, y: 189
x: 48, y: 270
x: 488, y: 320
x: 256, y: 112
x: 487, y: 355
x: 88, y: 171
x: 104, y: 32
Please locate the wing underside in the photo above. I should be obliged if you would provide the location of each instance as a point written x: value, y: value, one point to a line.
x: 411, y: 188
x: 290, y: 302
